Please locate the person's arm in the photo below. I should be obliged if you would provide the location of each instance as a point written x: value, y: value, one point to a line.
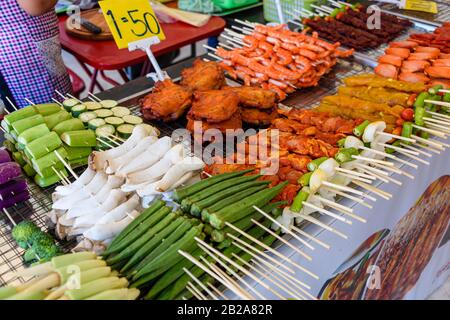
x: 37, y: 7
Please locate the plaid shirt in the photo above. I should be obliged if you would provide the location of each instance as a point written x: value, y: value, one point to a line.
x: 30, y: 55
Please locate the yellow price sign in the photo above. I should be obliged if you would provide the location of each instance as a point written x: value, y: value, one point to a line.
x: 131, y: 21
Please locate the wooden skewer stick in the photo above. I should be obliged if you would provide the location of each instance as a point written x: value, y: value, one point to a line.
x: 434, y: 126
x: 74, y: 98
x: 68, y: 167
x: 314, y: 239
x: 60, y: 176
x: 104, y: 142
x: 234, y: 33
x: 262, y: 253
x: 195, y: 292
x: 381, y: 193
x: 116, y: 138
x: 111, y: 139
x: 444, y: 122
x: 200, y: 284
x: 258, y: 261
x: 439, y: 115
x: 433, y: 132
x: 56, y: 101
x: 266, y: 247
x: 343, y: 188
x: 230, y: 280
x: 279, y: 283
x: 321, y: 224
x: 250, y: 25
x: 408, y: 153
x: 223, y: 45
x: 386, y: 163
x: 385, y: 175
x: 217, y: 291
x: 355, y: 178
x: 395, y: 136
x: 234, y: 40
x: 212, y: 252
x: 290, y: 245
x: 29, y: 101
x: 212, y: 274
x: 396, y: 170
x: 438, y: 103
x: 244, y: 31
x: 94, y: 96
x: 341, y: 208
x: 429, y: 142
x: 367, y: 169
x: 356, y: 173
x: 391, y: 156
x: 286, y: 230
x: 61, y: 95
x: 326, y: 212
x: 419, y: 151
x: 356, y: 199
x: 11, y: 103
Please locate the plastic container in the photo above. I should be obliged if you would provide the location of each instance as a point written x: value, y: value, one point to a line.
x: 231, y: 4
x: 287, y: 6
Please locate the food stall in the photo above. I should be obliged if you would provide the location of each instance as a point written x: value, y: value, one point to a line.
x: 123, y: 185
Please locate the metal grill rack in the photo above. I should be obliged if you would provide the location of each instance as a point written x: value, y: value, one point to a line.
x: 442, y: 15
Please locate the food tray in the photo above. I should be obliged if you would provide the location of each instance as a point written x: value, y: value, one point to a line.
x: 40, y: 202
x: 442, y: 15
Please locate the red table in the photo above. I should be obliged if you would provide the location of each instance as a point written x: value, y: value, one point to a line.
x: 104, y: 55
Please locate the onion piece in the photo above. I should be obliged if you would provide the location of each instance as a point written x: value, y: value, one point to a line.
x: 370, y: 133
x: 353, y: 142
x: 329, y: 167
x: 316, y: 179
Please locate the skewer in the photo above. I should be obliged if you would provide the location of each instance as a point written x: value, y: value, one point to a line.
x: 56, y: 101
x: 367, y: 169
x: 266, y: 247
x: 229, y: 279
x: 318, y: 8
x: 239, y: 42
x: 200, y: 284
x: 326, y: 212
x: 94, y: 96
x: 299, y: 284
x: 60, y: 176
x: 437, y: 127
x: 344, y: 188
x: 352, y: 177
x: 29, y: 101
x: 429, y: 155
x: 12, y: 104
x: 116, y: 138
x: 341, y: 208
x: 396, y: 170
x: 386, y: 163
x: 195, y: 292
x: 212, y: 274
x: 395, y: 136
x: 74, y: 98
x: 307, y: 235
x: 381, y: 193
x: 321, y: 224
x: 104, y: 142
x: 260, y: 252
x: 61, y: 95
x: 210, y: 250
x: 385, y: 175
x: 279, y: 283
x: 409, y: 153
x: 68, y: 167
x: 269, y: 269
x: 355, y: 173
x: 356, y: 199
x: 223, y: 45
x: 438, y: 103
x: 391, y: 156
x: 110, y: 139
x: 244, y: 31
x: 217, y: 291
x: 246, y: 23
x: 433, y: 132
x: 233, y: 33
x: 439, y: 115
x: 436, y: 120
x: 290, y: 245
x: 286, y: 230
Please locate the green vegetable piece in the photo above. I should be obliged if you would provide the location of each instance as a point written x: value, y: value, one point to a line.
x: 314, y: 164
x: 7, y: 292
x: 33, y: 133
x: 56, y: 118
x: 77, y: 110
x: 47, y: 109
x: 69, y: 104
x: 24, y: 124
x: 23, y: 231
x: 17, y: 157
x: 95, y: 287
x: 420, y: 100
x: 48, y: 160
x: 43, y: 145
x: 435, y: 89
x: 297, y: 204
x: 304, y: 179
x: 20, y: 115
x: 75, y: 153
x: 446, y: 97
x: 68, y: 125
x: 67, y: 259
x: 29, y: 171
x: 345, y: 155
x: 79, y: 138
x: 419, y: 114
x: 359, y: 130
x: 44, y: 182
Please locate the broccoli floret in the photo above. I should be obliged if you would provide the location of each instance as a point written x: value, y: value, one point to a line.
x: 23, y: 231
x: 46, y: 252
x: 41, y: 238
x: 30, y: 256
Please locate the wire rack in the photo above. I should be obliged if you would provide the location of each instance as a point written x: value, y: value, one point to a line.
x: 442, y: 15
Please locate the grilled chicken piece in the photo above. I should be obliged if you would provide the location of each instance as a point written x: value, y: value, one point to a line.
x: 258, y: 117
x: 168, y: 101
x: 214, y: 105
x: 203, y: 75
x: 235, y: 122
x: 254, y: 97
